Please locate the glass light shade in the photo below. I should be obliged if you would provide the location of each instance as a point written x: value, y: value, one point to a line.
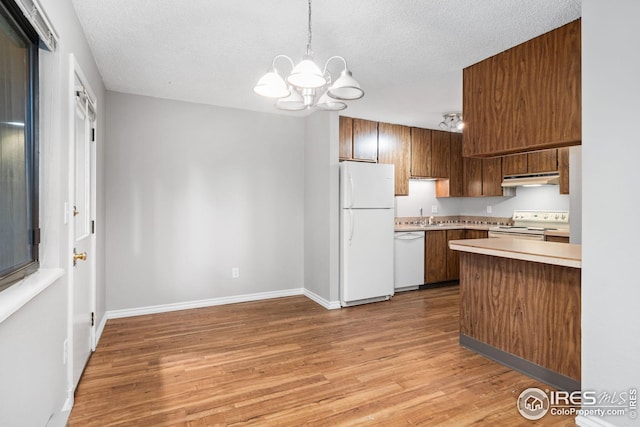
x: 272, y: 85
x: 329, y: 104
x: 346, y: 87
x: 307, y: 75
x: 293, y: 102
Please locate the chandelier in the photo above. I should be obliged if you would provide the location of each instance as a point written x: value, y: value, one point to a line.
x: 452, y: 122
x: 305, y: 81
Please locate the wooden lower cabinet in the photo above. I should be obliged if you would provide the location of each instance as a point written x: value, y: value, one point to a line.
x: 475, y: 234
x: 525, y: 309
x: 442, y: 264
x: 559, y: 239
x: 435, y: 256
x: 453, y: 257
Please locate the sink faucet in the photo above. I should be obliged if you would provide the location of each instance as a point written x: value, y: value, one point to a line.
x: 421, y: 220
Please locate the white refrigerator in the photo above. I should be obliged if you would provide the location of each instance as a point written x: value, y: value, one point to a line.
x: 366, y: 232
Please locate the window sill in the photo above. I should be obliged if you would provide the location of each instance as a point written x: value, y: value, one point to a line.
x: 16, y: 296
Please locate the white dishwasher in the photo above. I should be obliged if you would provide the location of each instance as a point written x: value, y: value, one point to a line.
x: 408, y: 260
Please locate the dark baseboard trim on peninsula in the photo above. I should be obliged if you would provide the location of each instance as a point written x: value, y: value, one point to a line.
x: 519, y: 364
x: 440, y: 284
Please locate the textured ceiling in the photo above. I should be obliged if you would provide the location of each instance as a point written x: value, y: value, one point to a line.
x: 408, y: 55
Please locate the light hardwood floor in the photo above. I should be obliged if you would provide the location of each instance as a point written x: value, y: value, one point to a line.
x: 290, y: 362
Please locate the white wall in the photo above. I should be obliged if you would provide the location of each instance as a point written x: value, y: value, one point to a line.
x: 575, y: 198
x: 194, y: 191
x: 610, y: 153
x: 422, y: 195
x: 33, y: 376
x: 321, y: 216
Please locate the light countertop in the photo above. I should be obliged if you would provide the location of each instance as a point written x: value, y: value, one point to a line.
x: 564, y: 254
x: 443, y: 226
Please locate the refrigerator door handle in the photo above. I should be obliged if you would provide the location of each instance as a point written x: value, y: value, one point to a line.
x: 351, y: 223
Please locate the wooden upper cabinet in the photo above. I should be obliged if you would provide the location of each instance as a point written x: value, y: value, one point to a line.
x: 472, y: 176
x: 542, y: 161
x: 492, y: 176
x: 526, y: 98
x: 563, y: 169
x: 421, y: 152
x: 365, y: 140
x: 345, y: 150
x: 455, y: 169
x: 440, y: 154
x: 534, y: 162
x: 515, y: 164
x: 394, y: 147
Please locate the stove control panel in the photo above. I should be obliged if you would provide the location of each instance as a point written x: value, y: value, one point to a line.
x: 541, y: 216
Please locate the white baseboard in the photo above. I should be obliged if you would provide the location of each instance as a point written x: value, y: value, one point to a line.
x: 163, y: 308
x: 329, y: 305
x: 590, y: 421
x: 61, y: 418
x: 100, y: 328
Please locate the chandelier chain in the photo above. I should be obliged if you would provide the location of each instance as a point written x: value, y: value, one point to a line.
x: 309, y: 52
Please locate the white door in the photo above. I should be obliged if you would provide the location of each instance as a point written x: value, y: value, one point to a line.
x: 83, y: 229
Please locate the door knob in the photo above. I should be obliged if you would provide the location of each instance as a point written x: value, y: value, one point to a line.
x: 78, y: 256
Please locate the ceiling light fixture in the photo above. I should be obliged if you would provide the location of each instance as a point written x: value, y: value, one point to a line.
x: 452, y: 122
x: 300, y: 88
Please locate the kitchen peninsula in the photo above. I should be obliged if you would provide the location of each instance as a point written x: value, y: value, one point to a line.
x: 520, y: 305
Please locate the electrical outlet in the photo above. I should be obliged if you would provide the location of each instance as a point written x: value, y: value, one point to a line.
x: 434, y: 208
x: 235, y: 272
x: 489, y: 209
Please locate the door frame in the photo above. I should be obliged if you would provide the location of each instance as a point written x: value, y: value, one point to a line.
x: 75, y: 70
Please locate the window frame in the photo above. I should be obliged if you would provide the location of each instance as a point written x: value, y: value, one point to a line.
x: 32, y: 162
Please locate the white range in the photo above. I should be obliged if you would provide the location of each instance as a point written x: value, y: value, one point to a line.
x: 532, y: 224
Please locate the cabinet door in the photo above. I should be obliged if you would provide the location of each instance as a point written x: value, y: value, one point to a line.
x: 440, y: 153
x: 515, y: 164
x: 476, y: 234
x: 472, y: 176
x: 394, y: 147
x: 346, y: 138
x: 492, y: 177
x: 455, y: 172
x: 421, y: 152
x: 365, y: 140
x: 542, y: 161
x: 559, y: 239
x: 453, y: 257
x: 563, y: 169
x: 435, y: 256
x: 525, y: 98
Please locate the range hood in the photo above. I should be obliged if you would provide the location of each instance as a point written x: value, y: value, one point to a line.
x: 526, y: 180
